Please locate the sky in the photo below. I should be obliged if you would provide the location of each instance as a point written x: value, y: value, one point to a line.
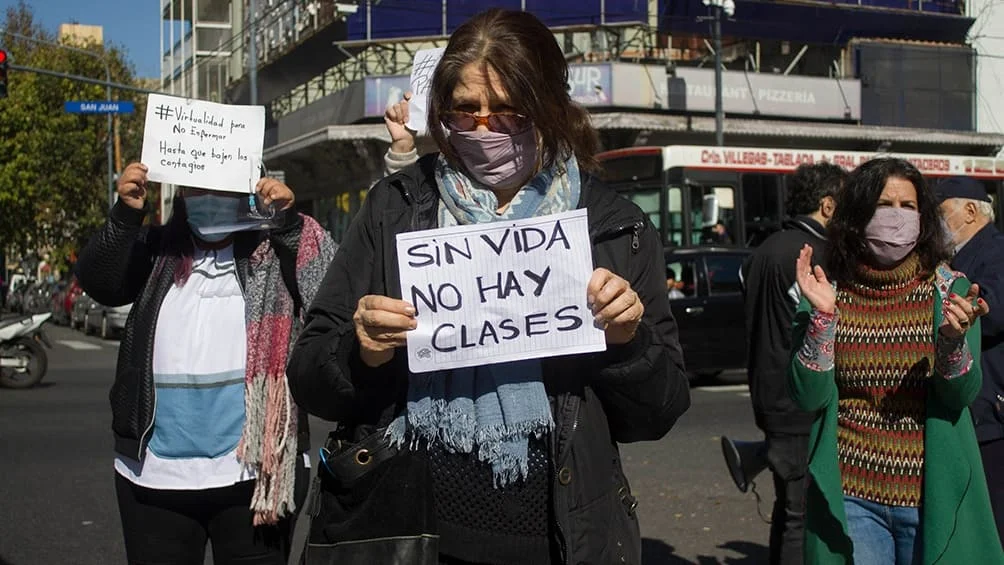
x: 133, y: 25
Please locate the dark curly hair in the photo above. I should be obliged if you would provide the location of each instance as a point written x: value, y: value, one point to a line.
x: 858, y: 201
x: 810, y: 184
x: 533, y: 72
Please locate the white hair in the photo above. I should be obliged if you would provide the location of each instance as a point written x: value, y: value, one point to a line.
x: 983, y: 207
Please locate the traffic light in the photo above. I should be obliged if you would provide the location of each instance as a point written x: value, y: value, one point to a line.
x: 3, y: 74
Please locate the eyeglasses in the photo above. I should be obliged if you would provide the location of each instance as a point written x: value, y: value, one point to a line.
x: 499, y: 122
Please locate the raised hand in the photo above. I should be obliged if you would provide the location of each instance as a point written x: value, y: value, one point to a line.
x: 272, y: 190
x: 132, y: 185
x: 402, y: 140
x: 960, y: 312
x: 813, y: 284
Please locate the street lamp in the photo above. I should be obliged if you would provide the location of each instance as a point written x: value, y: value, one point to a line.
x: 718, y: 8
x: 108, y: 80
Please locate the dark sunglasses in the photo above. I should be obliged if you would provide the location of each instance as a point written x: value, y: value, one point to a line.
x: 499, y: 122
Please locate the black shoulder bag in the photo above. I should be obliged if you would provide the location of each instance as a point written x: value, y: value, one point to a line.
x: 370, y: 503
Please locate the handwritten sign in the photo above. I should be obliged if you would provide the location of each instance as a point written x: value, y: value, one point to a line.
x: 422, y: 69
x: 203, y: 144
x: 498, y: 292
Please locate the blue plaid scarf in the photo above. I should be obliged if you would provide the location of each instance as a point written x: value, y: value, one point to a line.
x: 490, y: 410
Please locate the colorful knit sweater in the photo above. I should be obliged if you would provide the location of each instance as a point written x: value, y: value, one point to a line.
x: 955, y: 510
x: 883, y: 355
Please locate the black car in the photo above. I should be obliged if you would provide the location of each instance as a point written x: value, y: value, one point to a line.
x: 707, y: 302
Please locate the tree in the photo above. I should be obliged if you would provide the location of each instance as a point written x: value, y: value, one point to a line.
x: 53, y: 169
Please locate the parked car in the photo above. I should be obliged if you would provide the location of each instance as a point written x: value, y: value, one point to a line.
x: 79, y: 311
x: 709, y: 307
x: 107, y: 321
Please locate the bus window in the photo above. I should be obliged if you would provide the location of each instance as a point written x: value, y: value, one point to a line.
x: 648, y: 201
x: 711, y: 230
x: 761, y: 206
x: 674, y: 220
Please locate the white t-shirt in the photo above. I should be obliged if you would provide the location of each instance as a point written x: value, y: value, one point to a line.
x: 199, y: 361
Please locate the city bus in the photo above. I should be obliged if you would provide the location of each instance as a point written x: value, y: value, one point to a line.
x: 699, y: 195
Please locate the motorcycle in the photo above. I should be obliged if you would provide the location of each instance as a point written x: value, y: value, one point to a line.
x: 23, y: 361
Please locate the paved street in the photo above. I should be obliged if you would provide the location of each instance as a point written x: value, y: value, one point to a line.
x: 57, y: 502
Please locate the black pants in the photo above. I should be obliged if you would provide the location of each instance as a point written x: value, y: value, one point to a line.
x: 992, y: 454
x: 171, y: 527
x: 788, y: 456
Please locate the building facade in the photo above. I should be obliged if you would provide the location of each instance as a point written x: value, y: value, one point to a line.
x: 987, y: 38
x: 866, y: 75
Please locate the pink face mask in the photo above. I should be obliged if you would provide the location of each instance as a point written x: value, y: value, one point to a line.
x: 892, y: 234
x: 496, y: 160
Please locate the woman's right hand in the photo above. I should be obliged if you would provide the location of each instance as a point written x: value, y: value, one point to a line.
x: 382, y: 324
x: 813, y: 284
x: 402, y: 140
x: 132, y: 185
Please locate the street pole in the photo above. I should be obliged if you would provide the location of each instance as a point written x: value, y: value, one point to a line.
x: 252, y: 52
x: 108, y: 81
x: 108, y: 143
x: 716, y: 9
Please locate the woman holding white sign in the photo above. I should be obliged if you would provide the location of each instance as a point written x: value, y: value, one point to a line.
x: 507, y: 463
x: 209, y: 445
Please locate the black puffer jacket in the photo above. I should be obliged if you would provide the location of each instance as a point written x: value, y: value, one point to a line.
x: 114, y: 269
x: 629, y: 393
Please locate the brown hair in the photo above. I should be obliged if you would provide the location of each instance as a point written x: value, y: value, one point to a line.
x: 533, y: 72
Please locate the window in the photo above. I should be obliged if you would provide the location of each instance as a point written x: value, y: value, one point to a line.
x: 674, y: 218
x: 707, y: 202
x: 761, y: 206
x: 723, y: 273
x: 648, y: 201
x: 634, y: 168
x: 684, y: 272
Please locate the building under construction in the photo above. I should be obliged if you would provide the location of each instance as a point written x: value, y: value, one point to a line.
x: 861, y: 75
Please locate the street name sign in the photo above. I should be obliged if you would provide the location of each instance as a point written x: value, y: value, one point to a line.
x: 99, y: 107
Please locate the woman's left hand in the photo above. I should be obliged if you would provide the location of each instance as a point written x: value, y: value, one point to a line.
x: 272, y: 190
x: 615, y: 305
x: 961, y: 311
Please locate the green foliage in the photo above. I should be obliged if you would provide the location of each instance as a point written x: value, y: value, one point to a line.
x: 53, y: 164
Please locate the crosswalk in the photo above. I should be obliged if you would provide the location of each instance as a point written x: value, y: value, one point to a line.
x: 79, y: 345
x: 741, y: 390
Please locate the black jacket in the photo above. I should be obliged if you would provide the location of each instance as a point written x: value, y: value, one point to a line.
x: 629, y: 393
x: 771, y: 296
x: 114, y: 269
x: 982, y: 261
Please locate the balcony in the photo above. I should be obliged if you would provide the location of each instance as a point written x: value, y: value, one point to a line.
x: 955, y: 7
x: 832, y: 23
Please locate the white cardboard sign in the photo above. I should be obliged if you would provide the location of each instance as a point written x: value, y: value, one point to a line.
x: 203, y: 144
x: 499, y: 292
x: 422, y: 70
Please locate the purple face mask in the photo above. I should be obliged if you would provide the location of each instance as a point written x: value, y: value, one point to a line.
x: 496, y: 160
x: 892, y: 234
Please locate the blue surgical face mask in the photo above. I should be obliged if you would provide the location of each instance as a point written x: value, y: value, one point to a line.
x: 208, y: 211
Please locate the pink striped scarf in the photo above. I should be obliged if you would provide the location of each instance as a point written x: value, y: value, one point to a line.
x: 268, y: 441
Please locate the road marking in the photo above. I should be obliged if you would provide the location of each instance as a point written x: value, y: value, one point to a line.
x: 78, y: 345
x: 726, y: 388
